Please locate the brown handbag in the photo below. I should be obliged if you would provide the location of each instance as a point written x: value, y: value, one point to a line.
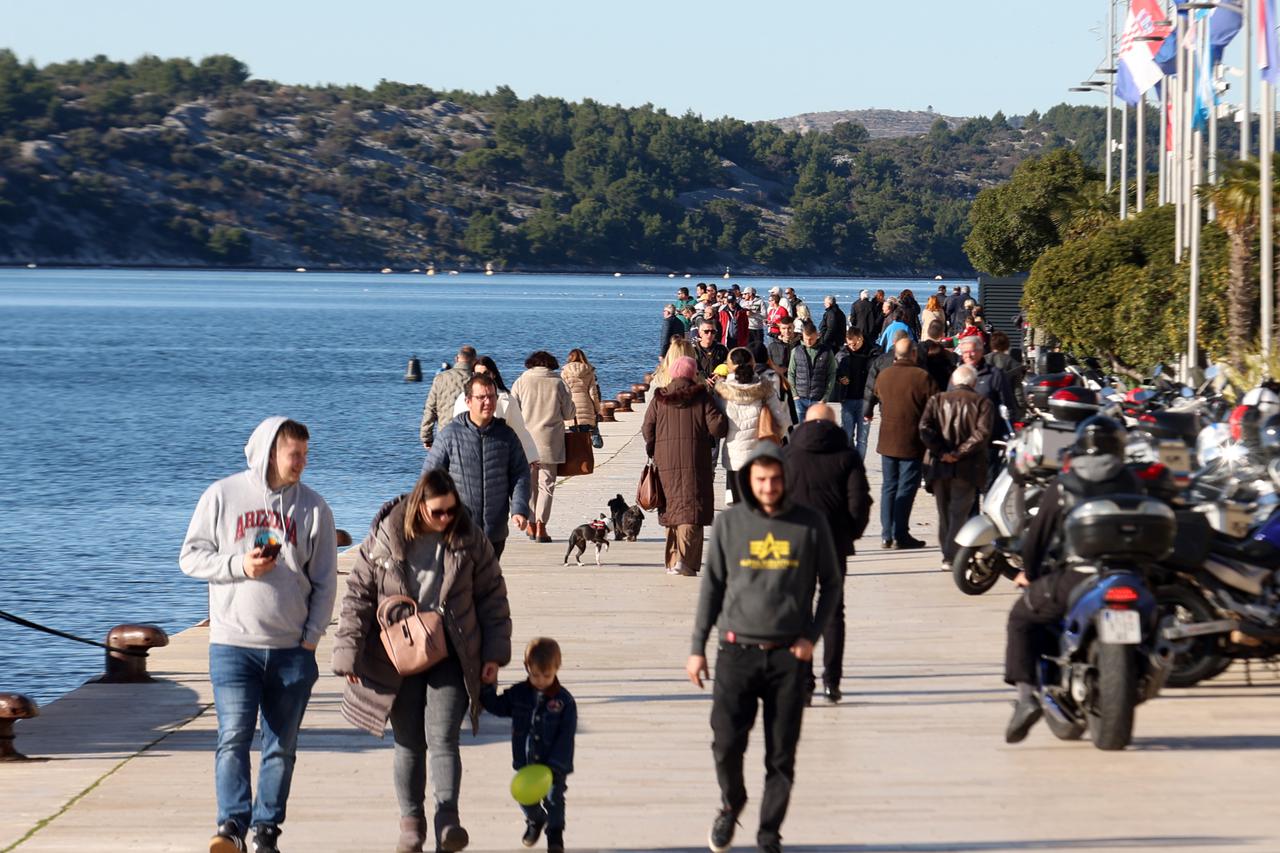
x: 649, y: 492
x: 415, y: 643
x: 579, y: 458
x: 767, y: 426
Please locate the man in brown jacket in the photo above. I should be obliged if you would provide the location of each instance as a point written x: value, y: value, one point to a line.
x: 956, y: 431
x: 903, y: 390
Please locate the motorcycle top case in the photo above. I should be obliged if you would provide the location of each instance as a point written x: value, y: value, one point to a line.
x: 1040, y: 448
x: 1121, y: 528
x: 1073, y: 404
x: 1038, y: 388
x: 1184, y: 426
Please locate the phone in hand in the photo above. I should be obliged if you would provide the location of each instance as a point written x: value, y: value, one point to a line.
x: 271, y: 550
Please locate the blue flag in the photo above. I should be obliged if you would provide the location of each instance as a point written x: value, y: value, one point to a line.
x: 1223, y: 27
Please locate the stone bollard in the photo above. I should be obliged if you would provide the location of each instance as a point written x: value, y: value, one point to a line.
x: 342, y: 538
x: 624, y: 401
x: 14, y: 707
x: 607, y: 409
x: 637, y: 391
x: 126, y: 668
x: 413, y: 373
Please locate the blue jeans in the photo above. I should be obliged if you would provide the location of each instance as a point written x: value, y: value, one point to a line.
x: 425, y: 720
x: 551, y: 810
x: 897, y: 494
x: 248, y: 684
x: 854, y: 426
x: 802, y: 405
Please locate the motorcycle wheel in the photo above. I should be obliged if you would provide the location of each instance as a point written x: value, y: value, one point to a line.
x: 1199, y: 660
x: 970, y: 577
x: 1111, y: 719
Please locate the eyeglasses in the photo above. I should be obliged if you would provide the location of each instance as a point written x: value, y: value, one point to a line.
x: 706, y: 331
x: 442, y: 513
x: 485, y: 398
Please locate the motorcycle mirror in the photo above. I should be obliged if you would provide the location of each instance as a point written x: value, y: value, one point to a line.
x: 1187, y: 393
x: 1158, y: 372
x: 1211, y: 372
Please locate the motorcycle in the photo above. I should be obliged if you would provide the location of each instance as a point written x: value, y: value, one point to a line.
x: 1111, y: 655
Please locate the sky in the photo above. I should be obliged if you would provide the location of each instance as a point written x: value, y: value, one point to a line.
x: 749, y: 59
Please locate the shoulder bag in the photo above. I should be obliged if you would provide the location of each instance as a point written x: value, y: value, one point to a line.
x: 767, y: 427
x: 578, y: 457
x: 649, y: 492
x: 415, y: 643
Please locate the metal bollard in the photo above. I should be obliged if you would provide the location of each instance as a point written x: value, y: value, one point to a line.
x: 637, y: 391
x: 14, y: 707
x: 413, y: 373
x: 607, y: 409
x: 131, y: 669
x: 342, y: 537
x: 624, y: 401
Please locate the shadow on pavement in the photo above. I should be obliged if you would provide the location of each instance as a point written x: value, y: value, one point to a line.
x: 1131, y: 842
x: 1209, y: 742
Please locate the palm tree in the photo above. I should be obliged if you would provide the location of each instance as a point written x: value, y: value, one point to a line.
x: 1237, y: 197
x: 1086, y: 211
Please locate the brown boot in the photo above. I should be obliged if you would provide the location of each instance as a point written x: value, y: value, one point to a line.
x: 542, y: 533
x: 413, y: 833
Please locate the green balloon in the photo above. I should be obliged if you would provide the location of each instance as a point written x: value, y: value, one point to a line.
x: 531, y: 783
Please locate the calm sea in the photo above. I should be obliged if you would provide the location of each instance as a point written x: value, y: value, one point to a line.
x: 127, y: 392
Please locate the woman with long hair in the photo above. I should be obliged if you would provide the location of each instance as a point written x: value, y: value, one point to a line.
x: 507, y: 408
x: 424, y: 545
x: 933, y: 310
x: 580, y: 377
x: 546, y: 404
x: 677, y: 350
x: 746, y: 394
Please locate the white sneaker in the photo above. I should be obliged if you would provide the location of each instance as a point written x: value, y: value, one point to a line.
x: 728, y: 497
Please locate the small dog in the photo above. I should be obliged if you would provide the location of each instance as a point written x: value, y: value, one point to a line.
x: 593, y: 533
x: 631, y: 521
x: 618, y: 509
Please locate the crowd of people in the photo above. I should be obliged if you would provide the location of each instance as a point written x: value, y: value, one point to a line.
x: 781, y: 402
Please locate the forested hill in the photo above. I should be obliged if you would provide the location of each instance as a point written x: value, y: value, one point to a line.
x: 185, y: 163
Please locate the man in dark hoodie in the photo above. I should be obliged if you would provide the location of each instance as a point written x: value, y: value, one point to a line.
x: 831, y: 330
x: 853, y: 366
x: 826, y: 475
x: 766, y: 559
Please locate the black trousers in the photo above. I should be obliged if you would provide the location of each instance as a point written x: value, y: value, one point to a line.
x: 498, y: 548
x: 747, y: 676
x: 832, y: 651
x: 1042, y: 605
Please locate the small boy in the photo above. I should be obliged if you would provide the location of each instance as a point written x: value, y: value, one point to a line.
x: 544, y: 720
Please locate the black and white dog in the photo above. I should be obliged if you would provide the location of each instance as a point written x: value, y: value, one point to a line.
x: 626, y: 519
x: 593, y: 533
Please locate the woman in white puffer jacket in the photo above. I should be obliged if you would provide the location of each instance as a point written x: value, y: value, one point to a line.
x: 744, y: 394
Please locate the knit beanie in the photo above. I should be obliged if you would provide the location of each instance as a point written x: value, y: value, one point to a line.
x: 684, y: 368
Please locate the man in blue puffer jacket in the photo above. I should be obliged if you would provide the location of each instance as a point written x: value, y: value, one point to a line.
x: 486, y: 460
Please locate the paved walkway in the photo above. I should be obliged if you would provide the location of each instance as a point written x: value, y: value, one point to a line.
x: 913, y: 760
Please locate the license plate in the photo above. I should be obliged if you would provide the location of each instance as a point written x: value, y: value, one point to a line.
x: 1120, y: 628
x: 1176, y: 459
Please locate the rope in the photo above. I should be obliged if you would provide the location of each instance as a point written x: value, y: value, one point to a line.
x: 35, y: 626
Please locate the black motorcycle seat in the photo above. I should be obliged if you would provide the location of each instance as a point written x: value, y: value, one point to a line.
x: 1247, y: 551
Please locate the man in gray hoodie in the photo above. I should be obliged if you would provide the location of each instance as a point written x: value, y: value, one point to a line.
x: 265, y: 543
x: 766, y: 559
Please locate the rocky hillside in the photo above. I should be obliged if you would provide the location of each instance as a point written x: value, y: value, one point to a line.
x: 880, y: 124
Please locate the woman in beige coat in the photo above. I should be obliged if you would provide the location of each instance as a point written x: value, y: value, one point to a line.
x: 580, y: 377
x: 546, y: 404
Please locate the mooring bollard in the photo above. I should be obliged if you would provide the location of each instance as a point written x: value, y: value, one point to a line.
x: 637, y: 391
x: 624, y: 401
x: 14, y: 707
x: 342, y: 537
x: 606, y: 410
x: 413, y: 373
x: 124, y: 668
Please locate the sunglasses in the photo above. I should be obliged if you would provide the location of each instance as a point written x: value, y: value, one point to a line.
x: 442, y: 513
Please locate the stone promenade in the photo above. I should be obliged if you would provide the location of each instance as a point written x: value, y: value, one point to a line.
x: 912, y: 760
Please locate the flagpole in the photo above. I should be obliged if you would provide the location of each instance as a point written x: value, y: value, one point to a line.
x: 1266, y: 147
x: 1111, y: 84
x: 1213, y: 141
x: 1124, y: 160
x: 1176, y: 162
x: 1162, y: 162
x: 1246, y: 106
x: 1141, y: 162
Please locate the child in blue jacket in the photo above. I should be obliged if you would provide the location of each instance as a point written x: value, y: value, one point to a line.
x: 544, y: 720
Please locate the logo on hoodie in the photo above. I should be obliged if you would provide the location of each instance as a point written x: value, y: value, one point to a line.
x: 769, y: 554
x: 268, y: 519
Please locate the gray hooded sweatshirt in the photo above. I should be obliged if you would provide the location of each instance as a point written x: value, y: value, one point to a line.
x: 291, y: 604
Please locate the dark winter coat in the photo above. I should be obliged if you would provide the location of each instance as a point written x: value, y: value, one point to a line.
x: 490, y: 468
x: 853, y: 366
x: 879, y: 364
x: 865, y: 317
x: 903, y: 389
x: 709, y: 358
x: 473, y: 598
x: 957, y: 422
x: 812, y: 377
x: 831, y: 330
x: 543, y: 725
x: 671, y: 327
x: 825, y: 474
x: 678, y: 430
x: 994, y: 384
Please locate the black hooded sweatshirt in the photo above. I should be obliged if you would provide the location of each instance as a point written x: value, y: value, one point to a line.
x: 825, y: 474
x: 762, y: 571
